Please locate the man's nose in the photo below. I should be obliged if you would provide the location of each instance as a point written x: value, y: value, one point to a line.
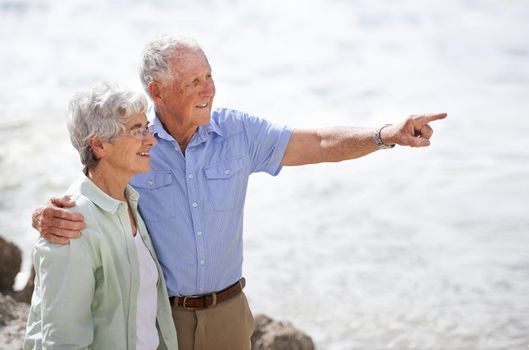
x: 209, y: 88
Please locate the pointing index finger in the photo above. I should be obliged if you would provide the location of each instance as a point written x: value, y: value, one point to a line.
x: 431, y: 117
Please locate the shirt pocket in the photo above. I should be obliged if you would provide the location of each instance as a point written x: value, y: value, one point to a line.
x: 225, y: 183
x: 157, y: 195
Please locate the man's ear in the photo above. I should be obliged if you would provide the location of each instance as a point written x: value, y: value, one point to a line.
x: 154, y: 90
x: 97, y: 146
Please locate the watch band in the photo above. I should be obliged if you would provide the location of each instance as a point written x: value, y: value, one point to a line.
x: 378, y: 139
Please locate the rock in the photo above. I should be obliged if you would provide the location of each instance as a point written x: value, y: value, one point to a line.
x: 13, y: 315
x: 277, y: 335
x: 10, y: 262
x: 13, y: 318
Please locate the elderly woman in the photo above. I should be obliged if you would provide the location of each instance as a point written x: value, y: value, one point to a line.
x: 104, y: 290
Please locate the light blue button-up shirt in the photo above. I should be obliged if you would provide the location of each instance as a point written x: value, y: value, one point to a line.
x: 193, y: 204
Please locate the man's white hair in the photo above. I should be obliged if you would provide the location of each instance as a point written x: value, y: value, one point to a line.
x: 157, y: 55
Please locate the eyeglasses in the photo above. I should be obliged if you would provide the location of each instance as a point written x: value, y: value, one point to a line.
x: 141, y: 132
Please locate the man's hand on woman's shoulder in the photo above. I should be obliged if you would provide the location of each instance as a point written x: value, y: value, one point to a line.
x: 56, y: 224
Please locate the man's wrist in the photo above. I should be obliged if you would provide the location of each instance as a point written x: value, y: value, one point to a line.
x: 378, y: 138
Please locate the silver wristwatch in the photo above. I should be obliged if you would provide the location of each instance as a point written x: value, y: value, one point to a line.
x: 378, y: 139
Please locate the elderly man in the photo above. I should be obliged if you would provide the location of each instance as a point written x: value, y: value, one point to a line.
x: 192, y: 200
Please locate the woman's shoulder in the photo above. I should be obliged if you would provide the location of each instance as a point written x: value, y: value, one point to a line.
x: 88, y: 209
x: 83, y: 205
x: 81, y: 192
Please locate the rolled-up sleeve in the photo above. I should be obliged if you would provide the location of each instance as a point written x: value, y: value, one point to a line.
x: 66, y: 284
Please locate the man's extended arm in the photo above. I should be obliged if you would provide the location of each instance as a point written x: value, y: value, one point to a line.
x: 310, y: 146
x: 306, y: 146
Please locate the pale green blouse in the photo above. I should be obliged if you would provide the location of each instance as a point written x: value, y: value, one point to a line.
x: 86, y: 292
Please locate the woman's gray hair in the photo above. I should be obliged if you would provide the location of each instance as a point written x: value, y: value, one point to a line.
x: 100, y: 112
x: 157, y: 55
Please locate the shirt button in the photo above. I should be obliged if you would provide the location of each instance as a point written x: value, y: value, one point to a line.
x: 201, y: 289
x: 151, y: 183
x: 199, y: 233
x: 227, y: 172
x: 194, y: 204
x: 202, y: 262
x: 190, y: 176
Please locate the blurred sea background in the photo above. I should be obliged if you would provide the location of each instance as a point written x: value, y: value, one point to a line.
x: 403, y: 249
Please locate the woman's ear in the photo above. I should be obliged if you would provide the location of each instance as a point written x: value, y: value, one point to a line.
x: 97, y: 146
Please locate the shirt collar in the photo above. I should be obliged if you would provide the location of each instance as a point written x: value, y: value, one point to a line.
x: 159, y: 130
x: 203, y: 132
x: 199, y: 137
x: 103, y: 200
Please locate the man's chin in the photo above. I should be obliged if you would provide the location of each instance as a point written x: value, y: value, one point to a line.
x: 204, y: 119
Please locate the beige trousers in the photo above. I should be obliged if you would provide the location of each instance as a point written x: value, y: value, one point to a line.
x: 226, y: 326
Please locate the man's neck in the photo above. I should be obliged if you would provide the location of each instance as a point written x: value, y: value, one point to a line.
x: 181, y: 135
x: 180, y: 132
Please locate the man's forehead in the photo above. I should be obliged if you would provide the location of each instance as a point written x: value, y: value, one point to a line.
x: 182, y: 55
x: 190, y: 63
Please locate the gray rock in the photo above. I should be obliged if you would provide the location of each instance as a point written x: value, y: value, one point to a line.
x: 13, y: 318
x: 10, y: 262
x: 278, y: 335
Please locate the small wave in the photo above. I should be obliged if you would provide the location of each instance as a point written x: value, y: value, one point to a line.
x: 12, y: 125
x: 21, y: 7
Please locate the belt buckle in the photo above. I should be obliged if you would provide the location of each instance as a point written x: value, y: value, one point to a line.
x: 189, y: 307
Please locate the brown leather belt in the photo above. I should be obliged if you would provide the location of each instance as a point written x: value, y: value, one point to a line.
x: 198, y: 302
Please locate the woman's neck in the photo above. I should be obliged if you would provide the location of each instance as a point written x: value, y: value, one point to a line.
x: 109, y: 181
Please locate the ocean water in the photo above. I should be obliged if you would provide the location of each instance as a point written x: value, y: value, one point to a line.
x: 403, y: 249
